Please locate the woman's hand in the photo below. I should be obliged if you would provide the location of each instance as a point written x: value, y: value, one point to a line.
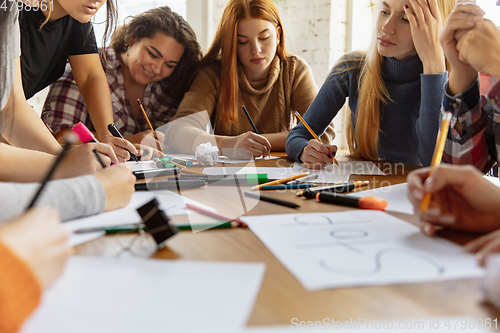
x: 148, y: 138
x: 39, y: 239
x: 464, y: 17
x: 118, y: 182
x: 480, y: 48
x: 81, y: 160
x: 425, y: 25
x: 119, y: 145
x: 461, y: 199
x: 245, y: 146
x: 316, y: 155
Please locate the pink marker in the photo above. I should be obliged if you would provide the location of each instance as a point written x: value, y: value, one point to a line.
x: 83, y: 133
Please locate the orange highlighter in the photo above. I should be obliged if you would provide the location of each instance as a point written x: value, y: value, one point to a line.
x: 376, y: 203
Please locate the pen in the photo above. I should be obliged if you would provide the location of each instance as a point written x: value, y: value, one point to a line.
x: 297, y: 114
x: 338, y: 188
x: 235, y: 179
x: 375, y: 203
x: 281, y: 181
x: 436, y: 157
x: 219, y: 216
x: 113, y: 130
x: 99, y: 159
x: 250, y: 119
x: 134, y: 228
x: 170, y: 185
x: 286, y: 187
x: 271, y: 199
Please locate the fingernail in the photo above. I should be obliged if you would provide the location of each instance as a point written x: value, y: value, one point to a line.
x: 406, y: 7
x: 427, y: 229
x: 469, y: 247
x: 480, y: 258
x: 448, y: 219
x: 434, y: 212
x: 417, y: 194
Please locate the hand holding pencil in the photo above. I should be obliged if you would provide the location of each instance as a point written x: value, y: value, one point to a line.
x: 316, y: 155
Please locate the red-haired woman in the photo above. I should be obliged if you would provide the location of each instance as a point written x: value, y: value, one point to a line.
x: 246, y: 65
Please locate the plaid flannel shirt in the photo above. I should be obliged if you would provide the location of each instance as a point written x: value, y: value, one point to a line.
x: 65, y: 106
x: 474, y: 136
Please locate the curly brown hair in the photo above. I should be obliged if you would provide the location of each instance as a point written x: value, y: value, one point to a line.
x: 164, y: 20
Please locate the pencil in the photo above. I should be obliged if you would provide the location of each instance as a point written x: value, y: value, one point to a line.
x: 250, y: 119
x: 99, y: 159
x: 436, y: 157
x: 51, y: 171
x: 219, y: 216
x: 311, y: 131
x: 149, y: 123
x: 280, y: 181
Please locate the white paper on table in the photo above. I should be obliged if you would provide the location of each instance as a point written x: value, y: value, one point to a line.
x: 494, y: 180
x: 227, y: 160
x: 364, y: 325
x: 330, y: 174
x: 145, y: 295
x: 171, y: 203
x: 142, y: 165
x: 359, y: 248
x: 340, y: 173
x: 395, y: 195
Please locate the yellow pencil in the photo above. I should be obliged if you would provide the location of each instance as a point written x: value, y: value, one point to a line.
x: 436, y: 157
x: 311, y: 131
x: 280, y: 181
x: 149, y: 123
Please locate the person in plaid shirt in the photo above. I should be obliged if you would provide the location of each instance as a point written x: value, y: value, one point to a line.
x: 151, y: 58
x: 461, y: 197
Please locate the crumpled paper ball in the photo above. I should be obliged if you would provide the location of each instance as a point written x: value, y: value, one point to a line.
x: 490, y: 285
x: 206, y: 154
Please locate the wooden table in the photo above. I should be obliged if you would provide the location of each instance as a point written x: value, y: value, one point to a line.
x: 282, y: 297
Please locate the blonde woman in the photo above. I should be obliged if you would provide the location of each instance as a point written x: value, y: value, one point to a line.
x: 395, y: 90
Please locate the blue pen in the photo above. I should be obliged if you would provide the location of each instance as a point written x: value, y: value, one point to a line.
x: 286, y: 187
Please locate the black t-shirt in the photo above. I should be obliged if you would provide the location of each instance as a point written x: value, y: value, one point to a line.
x: 44, y: 53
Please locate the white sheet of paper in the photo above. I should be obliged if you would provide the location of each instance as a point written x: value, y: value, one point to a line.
x: 359, y: 248
x: 494, y: 180
x: 395, y: 195
x: 146, y: 295
x: 330, y: 174
x: 142, y: 165
x: 364, y: 325
x: 227, y: 160
x: 171, y: 203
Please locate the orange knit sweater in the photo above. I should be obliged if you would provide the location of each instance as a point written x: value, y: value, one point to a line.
x: 20, y: 291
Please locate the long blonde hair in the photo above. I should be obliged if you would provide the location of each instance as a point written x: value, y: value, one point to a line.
x: 364, y: 142
x: 224, y: 48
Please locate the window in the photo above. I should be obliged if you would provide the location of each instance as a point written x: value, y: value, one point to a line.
x: 133, y: 7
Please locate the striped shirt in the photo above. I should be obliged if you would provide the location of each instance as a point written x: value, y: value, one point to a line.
x: 65, y: 106
x: 474, y: 136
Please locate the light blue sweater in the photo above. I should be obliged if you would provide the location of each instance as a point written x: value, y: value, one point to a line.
x: 409, y: 123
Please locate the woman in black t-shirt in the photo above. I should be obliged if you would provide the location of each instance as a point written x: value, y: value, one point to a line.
x: 58, y: 31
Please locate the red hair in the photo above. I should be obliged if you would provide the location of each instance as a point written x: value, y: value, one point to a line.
x: 224, y: 48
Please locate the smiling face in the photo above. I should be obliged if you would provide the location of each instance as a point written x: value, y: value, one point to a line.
x: 393, y: 31
x: 152, y: 59
x: 80, y: 10
x: 257, y: 43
